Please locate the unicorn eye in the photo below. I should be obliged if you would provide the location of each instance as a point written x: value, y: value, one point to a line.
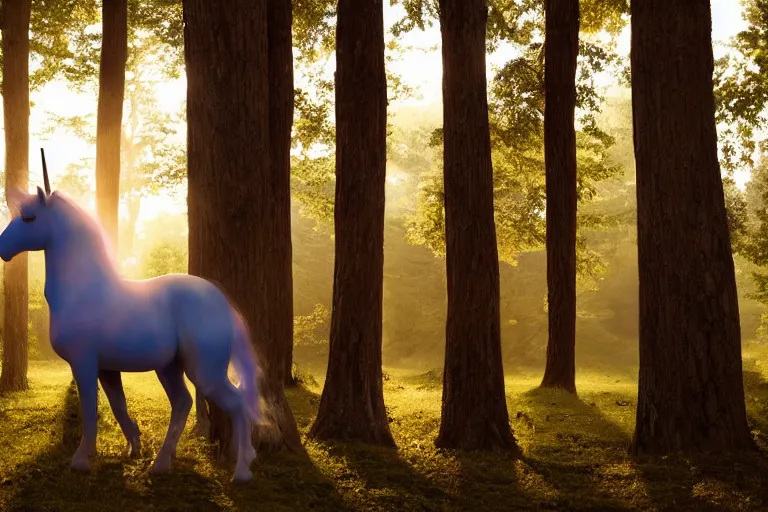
x: 29, y: 219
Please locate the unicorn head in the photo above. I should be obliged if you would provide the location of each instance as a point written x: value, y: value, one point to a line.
x: 30, y: 229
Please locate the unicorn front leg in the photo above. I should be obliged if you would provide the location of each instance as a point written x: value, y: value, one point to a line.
x: 86, y: 377
x: 112, y: 384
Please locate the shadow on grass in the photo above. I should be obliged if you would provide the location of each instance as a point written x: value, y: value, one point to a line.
x: 282, y: 481
x: 370, y: 477
x: 574, y: 450
x: 45, y: 482
x: 490, y: 481
x: 717, y: 481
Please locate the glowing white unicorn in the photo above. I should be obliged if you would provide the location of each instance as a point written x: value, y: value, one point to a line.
x: 102, y: 324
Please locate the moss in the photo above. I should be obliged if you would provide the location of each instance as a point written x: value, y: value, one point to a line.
x: 575, y: 456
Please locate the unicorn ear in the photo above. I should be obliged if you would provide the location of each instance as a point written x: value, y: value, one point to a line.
x: 14, y: 197
x: 41, y: 196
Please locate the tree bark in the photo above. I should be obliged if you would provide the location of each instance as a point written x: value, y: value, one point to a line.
x: 16, y: 14
x: 561, y: 49
x: 109, y: 116
x: 474, y: 407
x: 691, y: 393
x: 280, y: 48
x: 352, y: 402
x: 238, y: 213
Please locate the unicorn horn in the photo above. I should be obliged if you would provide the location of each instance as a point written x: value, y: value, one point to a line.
x: 46, y: 183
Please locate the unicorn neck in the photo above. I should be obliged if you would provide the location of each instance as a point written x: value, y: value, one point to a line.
x: 77, y: 262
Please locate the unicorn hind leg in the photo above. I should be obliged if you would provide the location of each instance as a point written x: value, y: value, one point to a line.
x: 206, y: 340
x: 112, y: 384
x: 206, y: 366
x: 172, y: 379
x: 228, y: 398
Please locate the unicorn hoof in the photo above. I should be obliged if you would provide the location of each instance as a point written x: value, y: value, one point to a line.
x: 134, y: 448
x: 81, y: 464
x: 250, y: 456
x: 242, y: 476
x: 161, y: 466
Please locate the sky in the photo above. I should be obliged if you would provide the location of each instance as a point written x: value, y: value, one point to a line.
x: 419, y: 65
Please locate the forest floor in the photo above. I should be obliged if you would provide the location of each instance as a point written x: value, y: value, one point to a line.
x: 575, y: 456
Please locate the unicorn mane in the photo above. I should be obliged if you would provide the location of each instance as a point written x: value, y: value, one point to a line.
x: 82, y: 222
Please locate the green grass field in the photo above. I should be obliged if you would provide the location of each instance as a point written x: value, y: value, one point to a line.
x: 574, y: 456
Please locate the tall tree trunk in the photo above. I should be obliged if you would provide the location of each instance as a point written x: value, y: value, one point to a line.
x: 130, y: 180
x: 109, y: 116
x: 691, y: 392
x: 237, y: 208
x: 280, y: 48
x: 561, y: 48
x: 15, y: 14
x: 134, y: 210
x: 352, y: 403
x: 474, y: 408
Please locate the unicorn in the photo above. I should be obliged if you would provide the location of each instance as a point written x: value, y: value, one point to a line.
x: 102, y: 325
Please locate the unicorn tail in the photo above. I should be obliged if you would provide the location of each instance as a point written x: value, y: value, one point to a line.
x: 249, y: 372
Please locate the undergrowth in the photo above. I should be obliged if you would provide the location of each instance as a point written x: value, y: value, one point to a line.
x: 575, y: 455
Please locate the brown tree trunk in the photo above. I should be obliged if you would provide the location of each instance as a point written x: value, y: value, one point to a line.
x: 109, y: 117
x: 474, y: 408
x: 280, y: 48
x: 15, y: 81
x: 691, y: 393
x: 237, y: 204
x: 352, y: 403
x: 561, y: 48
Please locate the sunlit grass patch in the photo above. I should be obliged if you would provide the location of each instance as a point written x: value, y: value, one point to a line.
x: 575, y: 455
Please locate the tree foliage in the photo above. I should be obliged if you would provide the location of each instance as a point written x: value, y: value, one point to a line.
x: 153, y: 156
x: 516, y: 105
x: 741, y: 91
x: 749, y: 228
x: 150, y: 22
x: 741, y: 95
x: 165, y: 258
x: 57, y: 29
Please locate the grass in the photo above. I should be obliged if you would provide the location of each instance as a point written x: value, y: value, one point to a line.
x: 575, y: 456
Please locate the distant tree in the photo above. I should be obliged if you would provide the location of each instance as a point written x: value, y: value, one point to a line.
x: 561, y: 49
x: 15, y: 87
x: 516, y: 117
x: 748, y: 222
x: 150, y: 159
x: 691, y: 390
x: 312, y: 173
x: 741, y: 102
x: 235, y: 200
x: 474, y: 406
x: 279, y: 345
x: 352, y: 402
x: 109, y: 120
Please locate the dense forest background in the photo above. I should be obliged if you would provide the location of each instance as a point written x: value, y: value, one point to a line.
x: 153, y: 227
